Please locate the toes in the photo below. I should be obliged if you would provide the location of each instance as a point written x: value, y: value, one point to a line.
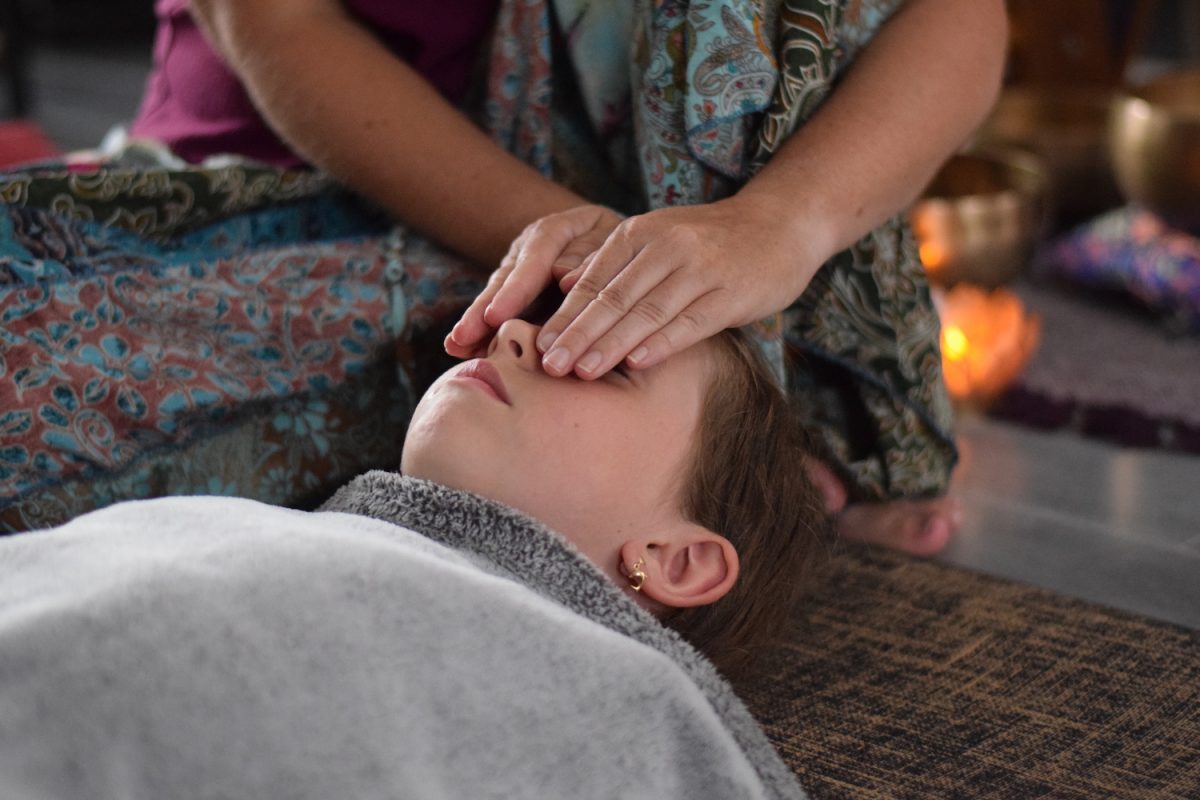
x: 919, y: 527
x: 932, y: 537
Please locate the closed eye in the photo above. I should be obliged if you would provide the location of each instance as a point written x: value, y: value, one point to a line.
x: 622, y: 369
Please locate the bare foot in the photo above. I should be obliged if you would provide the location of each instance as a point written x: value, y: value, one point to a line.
x: 919, y: 527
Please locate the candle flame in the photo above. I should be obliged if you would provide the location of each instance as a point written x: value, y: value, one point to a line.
x: 954, y: 343
x: 987, y: 338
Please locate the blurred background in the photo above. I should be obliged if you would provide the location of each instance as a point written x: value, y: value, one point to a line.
x: 74, y: 66
x: 1063, y: 242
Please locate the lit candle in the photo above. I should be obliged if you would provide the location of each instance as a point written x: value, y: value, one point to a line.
x: 987, y: 339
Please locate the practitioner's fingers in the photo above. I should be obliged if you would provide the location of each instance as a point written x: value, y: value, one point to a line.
x: 544, y: 241
x: 728, y: 265
x: 568, y: 281
x: 614, y: 284
x: 578, y: 251
x: 691, y: 325
x: 559, y: 241
x: 651, y: 313
x: 472, y: 328
x: 566, y: 238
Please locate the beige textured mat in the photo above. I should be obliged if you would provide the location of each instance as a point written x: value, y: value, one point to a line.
x: 907, y: 678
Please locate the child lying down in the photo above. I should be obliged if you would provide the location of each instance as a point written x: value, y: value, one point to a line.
x: 501, y: 620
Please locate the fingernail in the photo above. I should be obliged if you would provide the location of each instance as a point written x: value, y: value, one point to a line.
x: 589, y: 362
x: 545, y: 339
x: 639, y: 355
x: 557, y: 360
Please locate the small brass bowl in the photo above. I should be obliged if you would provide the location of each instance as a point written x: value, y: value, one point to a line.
x: 1067, y: 127
x: 1154, y: 139
x: 981, y: 217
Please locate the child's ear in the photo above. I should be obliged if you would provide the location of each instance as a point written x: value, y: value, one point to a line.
x: 692, y: 566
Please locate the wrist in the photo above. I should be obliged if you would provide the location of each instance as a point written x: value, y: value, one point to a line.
x: 792, y: 222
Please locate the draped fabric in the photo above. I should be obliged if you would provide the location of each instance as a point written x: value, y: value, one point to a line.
x: 216, y: 331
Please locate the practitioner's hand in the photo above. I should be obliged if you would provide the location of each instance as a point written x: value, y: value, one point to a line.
x: 545, y: 251
x: 669, y: 278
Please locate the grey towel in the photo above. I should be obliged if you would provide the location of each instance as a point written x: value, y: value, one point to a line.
x: 221, y: 648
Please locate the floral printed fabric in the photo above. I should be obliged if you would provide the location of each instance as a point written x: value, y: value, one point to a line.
x: 291, y: 451
x: 248, y: 315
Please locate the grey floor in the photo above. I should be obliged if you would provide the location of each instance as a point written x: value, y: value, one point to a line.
x: 1114, y: 526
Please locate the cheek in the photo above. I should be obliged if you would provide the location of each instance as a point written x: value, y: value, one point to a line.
x: 607, y: 449
x: 661, y: 450
x: 564, y: 440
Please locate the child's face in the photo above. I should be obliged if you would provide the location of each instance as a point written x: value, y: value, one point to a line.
x: 595, y: 460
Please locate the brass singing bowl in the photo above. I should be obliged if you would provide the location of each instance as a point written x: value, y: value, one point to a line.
x: 981, y: 217
x: 1067, y: 128
x: 1154, y: 140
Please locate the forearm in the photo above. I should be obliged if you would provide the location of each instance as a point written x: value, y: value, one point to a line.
x: 916, y: 92
x: 351, y: 107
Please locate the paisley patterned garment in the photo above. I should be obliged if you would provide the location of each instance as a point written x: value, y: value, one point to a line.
x: 238, y: 329
x: 716, y: 87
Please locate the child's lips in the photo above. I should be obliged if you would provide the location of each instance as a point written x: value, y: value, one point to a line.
x: 484, y: 371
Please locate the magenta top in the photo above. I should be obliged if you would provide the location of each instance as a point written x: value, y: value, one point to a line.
x: 196, y: 106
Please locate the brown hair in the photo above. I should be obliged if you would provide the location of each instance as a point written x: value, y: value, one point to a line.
x: 747, y: 482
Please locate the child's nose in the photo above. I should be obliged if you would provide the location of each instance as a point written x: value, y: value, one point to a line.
x: 517, y: 339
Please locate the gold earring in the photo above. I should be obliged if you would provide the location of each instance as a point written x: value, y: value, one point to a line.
x: 637, y: 575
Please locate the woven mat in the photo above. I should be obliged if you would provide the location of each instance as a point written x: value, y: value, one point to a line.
x: 1107, y: 371
x: 908, y: 678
